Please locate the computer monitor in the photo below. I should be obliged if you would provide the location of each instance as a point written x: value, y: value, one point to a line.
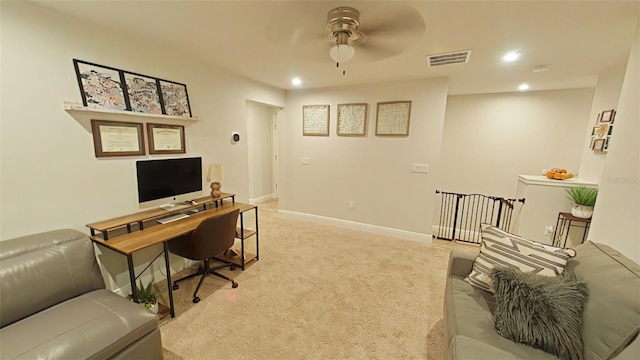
x: 168, y: 178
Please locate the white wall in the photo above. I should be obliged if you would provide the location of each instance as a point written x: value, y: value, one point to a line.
x: 374, y: 172
x: 490, y: 139
x: 50, y: 177
x: 616, y: 217
x: 259, y: 138
x: 606, y: 96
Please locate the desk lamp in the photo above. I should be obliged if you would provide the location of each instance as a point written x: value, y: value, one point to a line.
x: 215, y: 176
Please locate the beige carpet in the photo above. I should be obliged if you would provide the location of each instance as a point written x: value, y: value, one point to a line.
x: 318, y: 292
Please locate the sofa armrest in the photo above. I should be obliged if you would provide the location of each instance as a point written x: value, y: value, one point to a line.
x: 460, y: 263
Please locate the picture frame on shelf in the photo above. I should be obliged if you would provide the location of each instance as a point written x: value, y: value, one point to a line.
x: 166, y: 139
x: 143, y: 93
x: 315, y: 120
x: 117, y: 138
x: 174, y: 98
x: 393, y: 118
x: 101, y: 86
x: 352, y: 119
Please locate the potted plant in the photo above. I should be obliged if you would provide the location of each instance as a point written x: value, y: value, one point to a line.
x: 583, y: 199
x: 147, y: 296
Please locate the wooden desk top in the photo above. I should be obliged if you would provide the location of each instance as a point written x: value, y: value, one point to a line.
x: 157, y: 234
x: 125, y: 220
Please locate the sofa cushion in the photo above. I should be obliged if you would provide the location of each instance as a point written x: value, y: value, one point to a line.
x: 611, y: 315
x: 540, y: 311
x: 500, y: 248
x: 463, y: 347
x: 469, y: 312
x: 98, y: 324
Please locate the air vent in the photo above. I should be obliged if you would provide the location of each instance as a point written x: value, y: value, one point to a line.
x: 456, y: 57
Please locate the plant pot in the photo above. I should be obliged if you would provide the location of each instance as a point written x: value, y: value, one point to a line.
x: 581, y: 211
x: 154, y: 308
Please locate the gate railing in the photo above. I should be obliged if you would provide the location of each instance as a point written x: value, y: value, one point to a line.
x: 462, y: 214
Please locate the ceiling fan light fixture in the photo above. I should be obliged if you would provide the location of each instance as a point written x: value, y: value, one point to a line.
x: 342, y: 53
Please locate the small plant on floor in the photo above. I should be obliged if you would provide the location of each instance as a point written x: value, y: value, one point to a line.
x: 146, y: 295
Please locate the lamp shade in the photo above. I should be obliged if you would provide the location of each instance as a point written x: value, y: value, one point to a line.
x: 214, y: 173
x: 342, y: 53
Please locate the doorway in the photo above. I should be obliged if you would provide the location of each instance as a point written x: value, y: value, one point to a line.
x: 262, y: 131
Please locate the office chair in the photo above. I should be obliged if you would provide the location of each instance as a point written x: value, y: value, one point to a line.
x: 212, y: 237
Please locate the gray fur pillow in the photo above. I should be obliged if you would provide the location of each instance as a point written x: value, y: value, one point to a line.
x: 540, y: 311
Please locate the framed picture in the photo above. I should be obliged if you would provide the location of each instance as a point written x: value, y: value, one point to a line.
x: 166, y: 139
x: 352, y: 120
x: 100, y: 86
x: 143, y: 93
x: 601, y: 131
x: 606, y: 144
x: 115, y: 138
x: 175, y: 99
x: 392, y: 118
x: 607, y: 116
x: 598, y: 144
x: 315, y: 120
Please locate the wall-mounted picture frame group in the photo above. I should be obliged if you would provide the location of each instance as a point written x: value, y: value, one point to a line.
x: 166, y: 139
x: 315, y: 120
x: 393, y: 118
x: 352, y: 119
x: 110, y: 88
x: 117, y: 138
x: 602, y: 131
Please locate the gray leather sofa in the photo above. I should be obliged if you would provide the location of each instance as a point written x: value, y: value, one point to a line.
x: 54, y: 305
x: 611, y: 317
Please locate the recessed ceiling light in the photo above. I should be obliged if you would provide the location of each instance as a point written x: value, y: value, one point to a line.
x: 511, y: 56
x: 524, y: 87
x: 296, y: 81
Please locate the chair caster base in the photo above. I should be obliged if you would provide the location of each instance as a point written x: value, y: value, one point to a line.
x: 234, y: 284
x: 196, y: 300
x: 175, y: 287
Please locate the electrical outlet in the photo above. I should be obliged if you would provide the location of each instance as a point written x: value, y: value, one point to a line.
x: 548, y: 230
x: 352, y: 205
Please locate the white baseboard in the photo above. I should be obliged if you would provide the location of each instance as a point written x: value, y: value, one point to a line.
x: 381, y: 230
x: 262, y: 199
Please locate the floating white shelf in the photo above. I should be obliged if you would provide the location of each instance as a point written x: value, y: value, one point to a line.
x: 72, y: 106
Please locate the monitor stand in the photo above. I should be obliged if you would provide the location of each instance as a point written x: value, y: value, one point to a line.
x: 172, y: 206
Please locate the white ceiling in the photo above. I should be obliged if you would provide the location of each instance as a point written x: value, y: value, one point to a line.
x: 272, y: 41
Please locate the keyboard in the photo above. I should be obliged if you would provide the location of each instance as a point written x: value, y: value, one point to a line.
x: 173, y: 217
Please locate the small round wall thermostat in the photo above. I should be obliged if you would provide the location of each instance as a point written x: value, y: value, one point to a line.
x: 235, y: 137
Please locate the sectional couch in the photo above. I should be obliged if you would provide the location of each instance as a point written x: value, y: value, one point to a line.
x: 54, y: 305
x: 610, y: 320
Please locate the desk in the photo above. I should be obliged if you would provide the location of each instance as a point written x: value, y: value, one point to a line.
x: 133, y: 241
x: 563, y: 225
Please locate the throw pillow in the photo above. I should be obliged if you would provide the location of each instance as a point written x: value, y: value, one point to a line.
x: 540, y: 311
x: 500, y: 248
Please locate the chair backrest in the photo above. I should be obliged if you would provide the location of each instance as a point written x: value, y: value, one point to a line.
x: 212, y: 237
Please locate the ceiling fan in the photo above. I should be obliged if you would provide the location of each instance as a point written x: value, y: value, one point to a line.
x: 387, y: 32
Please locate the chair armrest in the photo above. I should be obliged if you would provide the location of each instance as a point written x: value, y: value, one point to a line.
x: 460, y: 263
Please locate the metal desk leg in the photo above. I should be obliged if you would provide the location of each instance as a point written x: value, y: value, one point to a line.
x: 132, y: 277
x: 257, y: 245
x: 242, y: 240
x: 169, y: 285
